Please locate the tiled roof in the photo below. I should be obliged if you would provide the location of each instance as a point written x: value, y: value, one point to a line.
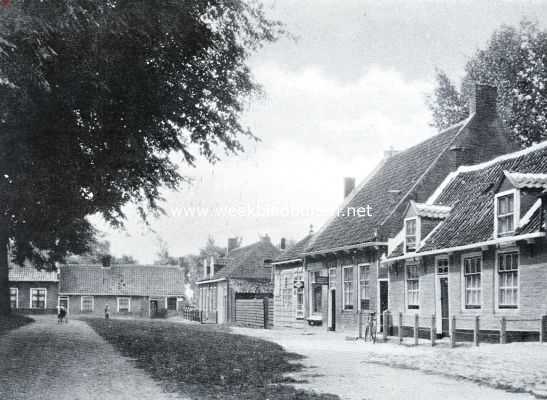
x: 248, y: 262
x: 122, y: 280
x: 470, y: 192
x: 431, y: 211
x: 29, y: 273
x: 529, y: 181
x: 296, y: 251
x: 387, y: 186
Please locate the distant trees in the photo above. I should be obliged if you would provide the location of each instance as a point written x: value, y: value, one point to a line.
x: 515, y: 61
x: 99, y: 253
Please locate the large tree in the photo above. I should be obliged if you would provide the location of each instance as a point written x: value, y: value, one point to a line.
x: 514, y: 60
x: 96, y: 99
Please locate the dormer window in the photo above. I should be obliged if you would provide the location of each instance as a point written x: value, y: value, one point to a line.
x: 411, y: 234
x: 506, y: 212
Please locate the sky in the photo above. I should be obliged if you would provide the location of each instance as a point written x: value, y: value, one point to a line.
x: 349, y: 83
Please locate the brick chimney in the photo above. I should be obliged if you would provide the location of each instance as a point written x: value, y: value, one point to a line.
x: 349, y: 185
x: 282, y: 244
x: 483, y: 100
x: 233, y: 243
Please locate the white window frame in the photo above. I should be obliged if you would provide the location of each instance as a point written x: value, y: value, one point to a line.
x: 516, y: 211
x: 464, y: 306
x: 443, y: 257
x: 299, y: 308
x: 45, y: 299
x: 128, y: 303
x: 417, y: 234
x: 67, y: 302
x: 408, y: 305
x: 82, y: 303
x: 344, y: 289
x: 503, y: 309
x: 368, y: 285
x: 16, y: 296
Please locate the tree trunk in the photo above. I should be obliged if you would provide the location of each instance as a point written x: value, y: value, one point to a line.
x: 4, y: 272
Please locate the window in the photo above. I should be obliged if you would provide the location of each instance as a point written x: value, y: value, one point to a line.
x: 14, y: 298
x: 472, y: 281
x: 412, y: 287
x: 505, y: 207
x: 348, y: 287
x: 87, y: 304
x: 442, y: 265
x: 299, y: 293
x: 287, y: 291
x: 38, y: 298
x: 172, y: 303
x: 364, y: 296
x: 124, y: 304
x: 411, y: 234
x: 508, y: 265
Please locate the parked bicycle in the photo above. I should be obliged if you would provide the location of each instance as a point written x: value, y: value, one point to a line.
x: 370, y: 329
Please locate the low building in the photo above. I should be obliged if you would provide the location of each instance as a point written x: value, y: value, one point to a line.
x: 33, y: 291
x: 476, y: 248
x: 245, y: 273
x: 132, y: 290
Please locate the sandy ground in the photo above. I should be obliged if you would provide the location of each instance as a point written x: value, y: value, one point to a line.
x: 46, y: 361
x: 343, y: 367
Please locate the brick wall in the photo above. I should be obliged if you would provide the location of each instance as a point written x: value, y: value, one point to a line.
x: 139, y: 306
x: 24, y: 294
x: 284, y: 311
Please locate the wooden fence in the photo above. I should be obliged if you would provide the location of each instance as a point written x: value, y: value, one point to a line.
x: 254, y: 313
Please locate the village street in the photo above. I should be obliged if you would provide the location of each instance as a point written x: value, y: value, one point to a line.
x: 44, y: 360
x: 350, y: 368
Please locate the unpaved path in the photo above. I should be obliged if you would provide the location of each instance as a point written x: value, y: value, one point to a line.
x: 43, y: 361
x: 339, y: 366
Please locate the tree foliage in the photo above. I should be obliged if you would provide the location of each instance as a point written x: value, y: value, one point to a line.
x: 514, y: 60
x: 98, y: 100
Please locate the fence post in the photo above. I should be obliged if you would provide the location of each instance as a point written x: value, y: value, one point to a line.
x: 433, y: 330
x: 503, y: 330
x: 386, y: 325
x: 453, y: 332
x: 400, y: 327
x: 265, y: 309
x: 476, y: 331
x: 416, y: 328
x: 542, y: 329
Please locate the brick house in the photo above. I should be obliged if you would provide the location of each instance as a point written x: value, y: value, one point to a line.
x: 244, y: 273
x: 136, y: 290
x: 33, y: 291
x: 341, y: 263
x: 476, y: 247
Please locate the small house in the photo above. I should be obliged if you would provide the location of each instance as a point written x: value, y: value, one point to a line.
x: 33, y: 291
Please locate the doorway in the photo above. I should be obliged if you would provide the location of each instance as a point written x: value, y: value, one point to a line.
x: 63, y: 302
x: 445, y: 321
x: 384, y: 300
x: 331, y: 317
x: 153, y: 308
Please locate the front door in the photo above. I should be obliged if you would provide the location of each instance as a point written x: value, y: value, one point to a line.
x: 384, y: 301
x: 332, y: 310
x: 445, y: 321
x: 63, y: 302
x: 153, y: 308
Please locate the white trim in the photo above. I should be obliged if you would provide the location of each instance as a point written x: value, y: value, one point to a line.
x: 498, y: 241
x: 82, y: 303
x: 45, y: 298
x: 359, y: 284
x: 504, y: 310
x: 287, y: 261
x: 416, y: 234
x: 128, y: 302
x: 526, y: 218
x: 426, y: 238
x: 392, y: 243
x: 437, y: 292
x: 349, y: 247
x: 16, y: 296
x: 344, y: 291
x: 516, y: 211
x: 473, y: 254
x: 210, y: 281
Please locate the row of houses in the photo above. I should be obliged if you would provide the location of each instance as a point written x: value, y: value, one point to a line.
x: 127, y: 290
x: 456, y: 229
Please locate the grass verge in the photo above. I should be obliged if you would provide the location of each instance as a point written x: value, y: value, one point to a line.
x: 13, y: 321
x: 206, y: 363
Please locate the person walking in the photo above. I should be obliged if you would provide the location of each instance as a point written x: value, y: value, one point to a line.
x: 107, y: 312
